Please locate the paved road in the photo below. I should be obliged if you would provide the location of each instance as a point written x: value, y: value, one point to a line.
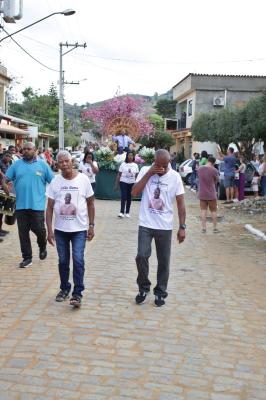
x: 207, y: 343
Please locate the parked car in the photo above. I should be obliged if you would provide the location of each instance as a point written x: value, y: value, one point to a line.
x: 185, y: 170
x: 248, y: 179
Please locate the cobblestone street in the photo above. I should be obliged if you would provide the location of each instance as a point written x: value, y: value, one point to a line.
x: 207, y: 343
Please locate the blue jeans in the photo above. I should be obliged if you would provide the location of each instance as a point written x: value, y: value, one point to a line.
x: 263, y: 185
x: 126, y: 189
x: 78, y: 242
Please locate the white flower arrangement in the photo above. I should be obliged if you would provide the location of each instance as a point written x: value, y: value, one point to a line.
x: 104, y: 154
x: 147, y: 154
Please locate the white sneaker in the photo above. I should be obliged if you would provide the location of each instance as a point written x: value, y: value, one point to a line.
x: 127, y: 215
x: 120, y: 215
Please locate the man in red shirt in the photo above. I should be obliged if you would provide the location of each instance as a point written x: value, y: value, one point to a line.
x: 208, y: 178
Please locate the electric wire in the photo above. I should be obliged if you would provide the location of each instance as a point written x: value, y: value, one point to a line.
x: 25, y: 51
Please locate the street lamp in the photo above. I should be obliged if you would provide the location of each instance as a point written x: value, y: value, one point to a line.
x: 65, y: 13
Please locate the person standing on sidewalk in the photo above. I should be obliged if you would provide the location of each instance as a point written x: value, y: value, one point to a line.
x: 30, y: 177
x: 157, y: 223
x: 72, y: 228
x: 208, y: 179
x: 229, y: 172
x: 126, y: 178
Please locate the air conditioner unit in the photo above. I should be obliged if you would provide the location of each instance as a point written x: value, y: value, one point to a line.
x: 218, y: 101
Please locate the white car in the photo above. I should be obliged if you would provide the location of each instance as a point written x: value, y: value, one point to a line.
x: 185, y: 170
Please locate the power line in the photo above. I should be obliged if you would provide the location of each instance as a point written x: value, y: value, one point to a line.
x: 25, y: 51
x: 136, y: 61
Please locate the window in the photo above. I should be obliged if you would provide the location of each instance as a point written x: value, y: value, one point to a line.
x: 189, y: 108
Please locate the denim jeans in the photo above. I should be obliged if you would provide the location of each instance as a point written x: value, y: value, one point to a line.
x: 30, y: 220
x: 263, y: 185
x: 78, y: 242
x: 163, y: 249
x: 126, y: 189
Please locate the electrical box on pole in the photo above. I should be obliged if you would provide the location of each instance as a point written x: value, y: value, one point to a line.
x: 12, y: 10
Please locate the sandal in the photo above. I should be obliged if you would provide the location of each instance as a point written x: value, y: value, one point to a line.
x: 75, y: 300
x: 62, y: 295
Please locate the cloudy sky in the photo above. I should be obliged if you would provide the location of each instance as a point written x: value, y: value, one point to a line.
x: 139, y: 46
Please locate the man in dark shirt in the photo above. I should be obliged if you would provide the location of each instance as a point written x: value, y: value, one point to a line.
x: 208, y: 178
x: 229, y: 172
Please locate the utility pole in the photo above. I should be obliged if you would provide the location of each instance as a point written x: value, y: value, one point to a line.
x: 61, y: 89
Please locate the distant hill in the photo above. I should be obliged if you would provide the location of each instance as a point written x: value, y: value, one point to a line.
x: 73, y: 111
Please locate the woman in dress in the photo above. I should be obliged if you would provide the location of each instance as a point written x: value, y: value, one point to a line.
x: 89, y: 167
x: 126, y: 178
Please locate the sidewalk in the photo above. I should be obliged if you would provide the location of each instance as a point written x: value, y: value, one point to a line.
x: 207, y: 343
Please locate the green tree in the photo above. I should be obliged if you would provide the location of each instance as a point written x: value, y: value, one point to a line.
x: 157, y: 121
x: 166, y: 108
x: 159, y: 140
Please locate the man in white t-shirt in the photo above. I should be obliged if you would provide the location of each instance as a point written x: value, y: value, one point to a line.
x: 71, y: 198
x: 160, y: 186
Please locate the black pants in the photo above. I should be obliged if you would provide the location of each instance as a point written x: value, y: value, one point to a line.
x: 125, y: 196
x: 163, y: 249
x: 30, y: 220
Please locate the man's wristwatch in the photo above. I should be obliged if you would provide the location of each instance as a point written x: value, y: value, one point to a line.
x: 91, y: 225
x: 182, y: 226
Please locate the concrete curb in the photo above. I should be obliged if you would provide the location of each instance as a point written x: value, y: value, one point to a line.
x: 256, y: 232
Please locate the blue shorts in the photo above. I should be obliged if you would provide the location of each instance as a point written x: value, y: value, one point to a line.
x: 229, y: 181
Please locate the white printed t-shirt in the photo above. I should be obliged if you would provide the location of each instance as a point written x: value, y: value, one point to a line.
x: 156, y: 208
x: 87, y: 170
x: 70, y: 208
x: 129, y: 171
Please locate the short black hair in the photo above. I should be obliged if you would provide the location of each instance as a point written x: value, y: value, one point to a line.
x: 88, y: 153
x: 204, y: 154
x: 130, y: 152
x: 231, y: 149
x: 212, y: 159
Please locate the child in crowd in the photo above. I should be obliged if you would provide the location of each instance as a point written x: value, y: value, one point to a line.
x: 255, y: 183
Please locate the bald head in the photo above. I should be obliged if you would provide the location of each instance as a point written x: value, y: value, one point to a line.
x: 162, y: 154
x: 162, y: 159
x: 28, y: 151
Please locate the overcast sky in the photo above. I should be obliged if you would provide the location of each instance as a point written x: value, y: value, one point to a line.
x: 139, y: 46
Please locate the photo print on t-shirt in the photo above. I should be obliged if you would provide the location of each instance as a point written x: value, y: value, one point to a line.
x: 68, y: 202
x: 157, y: 196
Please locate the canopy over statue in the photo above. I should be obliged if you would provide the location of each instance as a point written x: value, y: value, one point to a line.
x: 128, y: 124
x: 121, y: 113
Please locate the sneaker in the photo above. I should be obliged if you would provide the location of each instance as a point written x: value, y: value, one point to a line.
x: 215, y: 230
x: 4, y: 231
x: 127, y: 215
x: 159, y: 301
x: 2, y: 234
x: 203, y: 230
x: 75, y: 300
x: 62, y: 295
x: 43, y: 254
x: 25, y: 263
x: 1, y: 240
x: 120, y: 215
x: 141, y: 297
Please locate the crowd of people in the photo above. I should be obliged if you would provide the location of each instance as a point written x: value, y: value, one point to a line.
x: 70, y: 200
x: 235, y: 166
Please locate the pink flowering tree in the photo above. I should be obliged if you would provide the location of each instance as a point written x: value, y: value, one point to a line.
x: 121, y: 112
